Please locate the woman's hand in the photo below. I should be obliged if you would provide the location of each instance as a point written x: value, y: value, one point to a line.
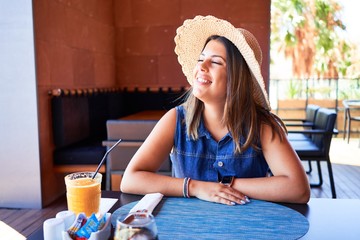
x: 216, y: 192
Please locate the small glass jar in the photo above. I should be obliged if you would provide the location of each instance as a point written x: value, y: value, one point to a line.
x: 136, y: 226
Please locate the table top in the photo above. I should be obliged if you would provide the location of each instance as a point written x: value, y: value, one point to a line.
x: 133, y: 127
x: 192, y: 218
x: 349, y: 103
x: 328, y: 218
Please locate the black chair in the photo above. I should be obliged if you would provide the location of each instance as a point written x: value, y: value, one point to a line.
x: 348, y: 117
x: 317, y: 147
x: 306, y: 123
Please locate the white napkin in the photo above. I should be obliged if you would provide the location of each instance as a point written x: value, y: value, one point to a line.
x: 106, y: 204
x: 148, y: 202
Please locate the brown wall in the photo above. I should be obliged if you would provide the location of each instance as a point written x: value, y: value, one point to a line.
x: 75, y: 48
x: 145, y: 32
x: 120, y: 43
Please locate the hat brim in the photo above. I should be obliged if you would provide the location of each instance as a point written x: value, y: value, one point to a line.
x: 190, y: 40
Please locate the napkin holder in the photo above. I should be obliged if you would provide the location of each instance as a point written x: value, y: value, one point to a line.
x: 102, y: 234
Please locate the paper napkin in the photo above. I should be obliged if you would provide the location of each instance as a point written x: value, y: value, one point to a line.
x: 148, y: 202
x: 106, y: 204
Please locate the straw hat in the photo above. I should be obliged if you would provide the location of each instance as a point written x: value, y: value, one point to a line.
x: 190, y: 39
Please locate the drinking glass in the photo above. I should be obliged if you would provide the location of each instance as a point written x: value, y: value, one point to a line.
x: 136, y: 226
x: 83, y: 193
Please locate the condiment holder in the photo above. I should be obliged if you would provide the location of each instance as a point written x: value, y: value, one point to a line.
x: 64, y: 220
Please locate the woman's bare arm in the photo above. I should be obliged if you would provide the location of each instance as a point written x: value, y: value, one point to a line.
x: 140, y: 176
x: 289, y: 183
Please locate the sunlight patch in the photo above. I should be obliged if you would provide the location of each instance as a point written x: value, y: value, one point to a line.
x: 8, y: 232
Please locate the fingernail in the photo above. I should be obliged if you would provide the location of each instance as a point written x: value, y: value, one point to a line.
x: 232, y: 203
x: 247, y: 199
x: 242, y: 202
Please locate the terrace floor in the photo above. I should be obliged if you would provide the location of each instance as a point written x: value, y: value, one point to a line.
x: 345, y: 159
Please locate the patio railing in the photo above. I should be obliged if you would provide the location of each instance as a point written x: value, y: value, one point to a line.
x: 289, y: 97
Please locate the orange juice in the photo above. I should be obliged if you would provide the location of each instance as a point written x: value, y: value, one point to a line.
x: 83, y: 193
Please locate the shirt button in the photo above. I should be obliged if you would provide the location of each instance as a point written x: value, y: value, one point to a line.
x: 220, y: 164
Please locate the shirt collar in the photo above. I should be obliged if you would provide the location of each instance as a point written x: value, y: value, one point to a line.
x: 203, y: 132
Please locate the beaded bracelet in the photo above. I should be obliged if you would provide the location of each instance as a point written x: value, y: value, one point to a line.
x: 186, y: 187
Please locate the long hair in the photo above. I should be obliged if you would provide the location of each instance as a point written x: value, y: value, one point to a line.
x: 242, y: 116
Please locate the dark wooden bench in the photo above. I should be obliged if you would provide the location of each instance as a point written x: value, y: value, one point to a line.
x: 79, y: 127
x: 79, y: 121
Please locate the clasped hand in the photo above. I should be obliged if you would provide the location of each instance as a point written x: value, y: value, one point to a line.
x: 216, y: 192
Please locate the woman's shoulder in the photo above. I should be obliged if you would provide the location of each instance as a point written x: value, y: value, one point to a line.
x: 180, y: 108
x: 180, y: 111
x: 173, y: 114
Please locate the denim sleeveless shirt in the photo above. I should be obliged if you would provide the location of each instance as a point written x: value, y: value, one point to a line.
x: 204, y: 158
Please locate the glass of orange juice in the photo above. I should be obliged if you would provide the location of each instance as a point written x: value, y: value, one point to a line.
x: 83, y: 193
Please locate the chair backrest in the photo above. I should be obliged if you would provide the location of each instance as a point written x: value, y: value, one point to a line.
x: 325, y: 120
x: 129, y: 130
x: 133, y: 133
x: 311, y: 111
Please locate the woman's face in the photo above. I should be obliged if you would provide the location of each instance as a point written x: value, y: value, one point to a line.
x: 210, y: 74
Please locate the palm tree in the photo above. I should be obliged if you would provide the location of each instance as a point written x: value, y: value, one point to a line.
x: 308, y: 32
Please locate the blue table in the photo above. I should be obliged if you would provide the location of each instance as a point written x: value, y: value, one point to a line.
x: 191, y: 218
x: 328, y: 218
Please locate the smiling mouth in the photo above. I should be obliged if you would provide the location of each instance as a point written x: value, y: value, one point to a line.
x: 201, y: 80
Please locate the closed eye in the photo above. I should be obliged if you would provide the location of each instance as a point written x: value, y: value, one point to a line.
x: 214, y: 62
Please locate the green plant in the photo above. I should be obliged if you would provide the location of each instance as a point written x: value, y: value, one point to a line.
x: 308, y: 33
x: 352, y: 91
x: 294, y: 89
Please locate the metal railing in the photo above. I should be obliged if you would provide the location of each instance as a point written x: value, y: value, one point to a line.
x: 323, y: 92
x: 306, y: 89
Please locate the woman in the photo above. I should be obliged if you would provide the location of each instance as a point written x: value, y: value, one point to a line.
x: 224, y: 143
